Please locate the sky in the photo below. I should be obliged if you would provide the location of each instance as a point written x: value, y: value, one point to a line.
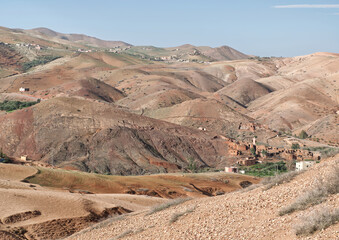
x: 257, y: 27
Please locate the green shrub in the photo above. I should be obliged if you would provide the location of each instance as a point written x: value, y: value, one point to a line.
x: 253, y: 151
x: 264, y: 152
x: 295, y: 146
x: 9, y: 106
x: 266, y: 169
x: 192, y: 165
x: 39, y: 61
x: 303, y: 135
x: 4, y: 158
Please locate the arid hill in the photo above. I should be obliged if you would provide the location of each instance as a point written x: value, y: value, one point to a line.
x: 122, y: 90
x: 257, y: 213
x: 45, y: 203
x: 79, y: 39
x: 305, y: 90
x: 203, y: 113
x: 100, y: 137
x: 244, y: 91
x: 187, y: 52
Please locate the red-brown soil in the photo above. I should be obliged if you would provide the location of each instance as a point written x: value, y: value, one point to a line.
x: 47, y: 203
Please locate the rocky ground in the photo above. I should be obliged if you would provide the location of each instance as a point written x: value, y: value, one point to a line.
x: 48, y: 203
x: 240, y: 215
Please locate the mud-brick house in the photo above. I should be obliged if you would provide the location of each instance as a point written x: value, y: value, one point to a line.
x: 302, y: 165
x: 247, y: 162
x: 231, y: 169
x: 231, y: 144
x: 247, y: 127
x: 261, y: 148
x: 316, y: 156
x: 234, y: 152
x: 289, y: 155
x: 241, y: 147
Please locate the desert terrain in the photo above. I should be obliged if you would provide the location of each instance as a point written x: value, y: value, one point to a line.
x: 99, y: 128
x: 252, y: 214
x: 45, y: 203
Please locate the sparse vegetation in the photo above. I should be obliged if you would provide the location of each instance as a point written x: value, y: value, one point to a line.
x: 101, y: 224
x: 316, y: 195
x: 325, y: 151
x: 168, y: 204
x: 250, y: 188
x: 4, y: 158
x: 9, y: 106
x: 306, y: 200
x: 192, y: 165
x: 295, y: 146
x: 266, y: 169
x: 128, y: 233
x: 317, y: 220
x: 39, y: 61
x: 124, y: 234
x: 303, y: 135
x: 176, y: 216
x: 270, y: 182
x: 253, y: 151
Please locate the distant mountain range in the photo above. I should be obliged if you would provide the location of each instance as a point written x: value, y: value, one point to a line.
x: 110, y: 107
x: 75, y: 38
x: 184, y: 52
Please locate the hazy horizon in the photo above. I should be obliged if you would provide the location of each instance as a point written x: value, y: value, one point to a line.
x: 264, y: 28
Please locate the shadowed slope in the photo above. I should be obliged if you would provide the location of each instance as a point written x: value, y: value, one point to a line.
x: 99, y: 137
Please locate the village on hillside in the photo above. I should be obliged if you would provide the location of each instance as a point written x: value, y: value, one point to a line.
x: 252, y: 154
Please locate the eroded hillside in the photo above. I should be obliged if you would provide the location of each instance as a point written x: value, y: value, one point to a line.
x: 250, y: 214
x: 107, y: 109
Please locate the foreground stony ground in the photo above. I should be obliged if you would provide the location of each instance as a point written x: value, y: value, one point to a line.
x: 239, y: 215
x: 30, y: 211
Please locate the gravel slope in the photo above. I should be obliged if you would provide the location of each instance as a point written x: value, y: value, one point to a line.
x: 238, y: 215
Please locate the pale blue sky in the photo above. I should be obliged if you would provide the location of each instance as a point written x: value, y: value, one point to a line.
x: 255, y: 27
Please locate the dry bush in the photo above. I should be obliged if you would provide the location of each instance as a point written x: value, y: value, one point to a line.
x: 168, y: 204
x: 124, y: 234
x: 270, y: 182
x: 250, y: 188
x: 317, y: 220
x: 316, y: 195
x: 101, y: 224
x: 304, y: 201
x: 333, y: 180
x: 276, y: 180
x: 128, y: 233
x: 176, y: 216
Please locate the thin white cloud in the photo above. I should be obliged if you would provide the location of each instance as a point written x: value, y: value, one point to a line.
x: 308, y: 6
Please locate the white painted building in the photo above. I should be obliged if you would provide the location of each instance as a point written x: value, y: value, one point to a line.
x: 231, y: 169
x: 22, y: 89
x: 302, y: 165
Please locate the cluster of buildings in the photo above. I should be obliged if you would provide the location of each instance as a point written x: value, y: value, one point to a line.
x: 118, y: 49
x: 254, y: 154
x: 84, y: 50
x: 29, y: 45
